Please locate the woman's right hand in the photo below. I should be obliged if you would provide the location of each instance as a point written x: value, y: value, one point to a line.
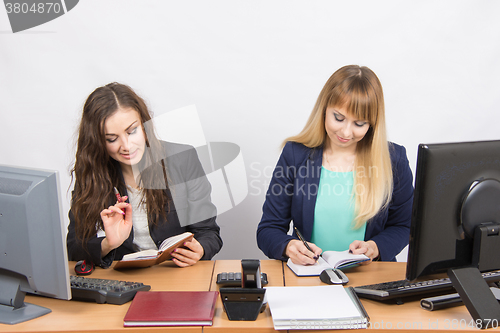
x: 117, y: 222
x: 300, y: 255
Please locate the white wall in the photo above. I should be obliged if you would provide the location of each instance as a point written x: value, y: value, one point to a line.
x: 253, y: 69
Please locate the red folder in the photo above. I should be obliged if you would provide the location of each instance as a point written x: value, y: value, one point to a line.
x: 171, y: 308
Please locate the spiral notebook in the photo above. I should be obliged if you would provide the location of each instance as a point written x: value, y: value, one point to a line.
x: 318, y: 307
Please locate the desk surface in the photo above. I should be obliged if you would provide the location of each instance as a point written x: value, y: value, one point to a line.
x: 74, y: 316
x: 391, y: 316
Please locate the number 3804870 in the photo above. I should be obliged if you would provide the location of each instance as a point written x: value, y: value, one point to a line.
x: 38, y: 8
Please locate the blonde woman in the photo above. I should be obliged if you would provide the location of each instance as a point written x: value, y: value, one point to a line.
x: 344, y: 186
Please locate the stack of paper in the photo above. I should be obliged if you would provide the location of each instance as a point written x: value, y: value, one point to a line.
x: 321, y: 307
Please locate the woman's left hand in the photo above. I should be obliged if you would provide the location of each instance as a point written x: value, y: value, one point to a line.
x: 188, y: 255
x: 369, y: 249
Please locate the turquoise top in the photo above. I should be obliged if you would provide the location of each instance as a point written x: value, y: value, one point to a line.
x: 334, y: 212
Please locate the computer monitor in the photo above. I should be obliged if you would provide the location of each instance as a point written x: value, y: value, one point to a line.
x: 456, y: 210
x: 33, y: 257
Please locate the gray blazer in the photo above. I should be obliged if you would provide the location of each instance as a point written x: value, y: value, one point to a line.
x: 192, y: 210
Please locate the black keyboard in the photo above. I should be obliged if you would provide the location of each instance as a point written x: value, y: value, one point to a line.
x: 405, y: 288
x: 104, y: 290
x: 233, y: 279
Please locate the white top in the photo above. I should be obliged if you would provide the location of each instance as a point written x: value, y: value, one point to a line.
x: 142, y: 238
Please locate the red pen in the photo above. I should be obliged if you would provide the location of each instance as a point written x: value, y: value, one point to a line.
x: 118, y: 196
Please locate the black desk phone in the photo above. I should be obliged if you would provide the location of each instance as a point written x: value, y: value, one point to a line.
x: 233, y: 279
x: 243, y: 299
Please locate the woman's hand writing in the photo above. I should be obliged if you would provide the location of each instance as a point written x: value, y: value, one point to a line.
x: 300, y: 255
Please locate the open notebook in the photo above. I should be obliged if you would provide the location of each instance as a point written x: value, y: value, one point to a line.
x: 148, y: 258
x: 329, y: 259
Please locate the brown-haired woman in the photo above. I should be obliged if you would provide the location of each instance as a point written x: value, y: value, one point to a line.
x: 167, y: 192
x: 344, y: 186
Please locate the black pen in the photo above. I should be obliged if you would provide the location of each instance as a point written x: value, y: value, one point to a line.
x: 305, y: 243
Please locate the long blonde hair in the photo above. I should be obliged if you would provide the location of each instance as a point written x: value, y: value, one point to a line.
x: 358, y: 90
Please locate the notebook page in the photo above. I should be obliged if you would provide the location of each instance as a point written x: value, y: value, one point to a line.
x: 309, y: 270
x: 336, y: 259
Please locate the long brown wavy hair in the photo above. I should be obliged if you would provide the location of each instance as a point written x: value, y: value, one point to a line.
x: 95, y: 173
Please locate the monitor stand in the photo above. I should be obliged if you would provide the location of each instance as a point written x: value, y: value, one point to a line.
x: 10, y: 315
x: 477, y: 296
x: 13, y: 310
x: 469, y: 283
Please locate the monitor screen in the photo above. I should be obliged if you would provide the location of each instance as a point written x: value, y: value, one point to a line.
x: 32, y: 244
x: 446, y: 174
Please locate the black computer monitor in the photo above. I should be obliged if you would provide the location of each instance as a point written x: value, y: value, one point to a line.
x: 456, y: 210
x: 33, y: 257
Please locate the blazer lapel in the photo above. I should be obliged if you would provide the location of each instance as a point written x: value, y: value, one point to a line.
x: 314, y: 162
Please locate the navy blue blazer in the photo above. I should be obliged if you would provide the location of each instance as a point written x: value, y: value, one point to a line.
x: 292, y: 197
